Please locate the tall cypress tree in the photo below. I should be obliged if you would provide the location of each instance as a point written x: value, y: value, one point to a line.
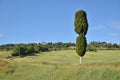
x: 81, y: 27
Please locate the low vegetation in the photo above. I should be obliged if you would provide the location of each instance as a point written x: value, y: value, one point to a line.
x: 6, y: 67
x: 32, y: 48
x: 62, y: 65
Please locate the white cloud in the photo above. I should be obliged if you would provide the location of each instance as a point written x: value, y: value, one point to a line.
x: 1, y: 35
x: 115, y: 25
x: 114, y: 34
x: 96, y: 28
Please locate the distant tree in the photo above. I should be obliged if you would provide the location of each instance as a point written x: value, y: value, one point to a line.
x: 23, y: 51
x: 30, y: 50
x: 91, y: 48
x: 44, y: 49
x: 19, y: 51
x: 115, y: 45
x: 37, y: 48
x: 81, y: 27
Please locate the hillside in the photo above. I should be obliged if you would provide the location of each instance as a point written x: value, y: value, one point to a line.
x: 63, y: 65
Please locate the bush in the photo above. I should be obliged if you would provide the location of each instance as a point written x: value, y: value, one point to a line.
x: 44, y: 49
x: 90, y: 48
x: 19, y: 51
x: 22, y: 51
x: 28, y: 50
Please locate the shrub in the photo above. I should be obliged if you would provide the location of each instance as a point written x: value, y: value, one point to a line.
x: 19, y: 51
x: 91, y: 48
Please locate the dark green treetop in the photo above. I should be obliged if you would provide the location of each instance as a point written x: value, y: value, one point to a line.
x: 81, y: 44
x: 81, y: 27
x: 80, y: 23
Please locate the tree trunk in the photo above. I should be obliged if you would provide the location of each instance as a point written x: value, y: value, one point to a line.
x: 80, y: 60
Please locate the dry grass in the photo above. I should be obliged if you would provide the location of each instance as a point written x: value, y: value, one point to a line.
x: 64, y: 65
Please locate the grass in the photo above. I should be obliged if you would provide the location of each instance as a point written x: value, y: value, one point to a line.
x: 4, y: 54
x: 64, y: 65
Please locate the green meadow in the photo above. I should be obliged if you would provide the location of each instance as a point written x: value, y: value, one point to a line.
x: 61, y: 65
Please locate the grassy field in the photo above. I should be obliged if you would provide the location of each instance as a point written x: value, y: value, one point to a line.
x: 62, y: 65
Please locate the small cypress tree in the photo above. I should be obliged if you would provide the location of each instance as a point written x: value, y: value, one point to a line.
x: 81, y: 27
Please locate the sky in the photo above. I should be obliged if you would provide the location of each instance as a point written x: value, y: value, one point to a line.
x: 34, y: 21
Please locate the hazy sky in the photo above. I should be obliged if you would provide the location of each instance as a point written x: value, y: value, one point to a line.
x: 27, y: 21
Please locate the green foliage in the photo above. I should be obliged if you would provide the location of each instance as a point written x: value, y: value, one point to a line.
x: 44, y: 49
x: 30, y: 50
x: 104, y: 45
x: 23, y: 51
x: 37, y: 48
x: 19, y: 51
x: 6, y: 47
x: 81, y: 44
x: 41, y: 47
x: 80, y: 23
x: 61, y: 46
x: 81, y: 27
x: 91, y: 48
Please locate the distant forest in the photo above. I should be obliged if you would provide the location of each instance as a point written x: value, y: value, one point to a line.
x: 44, y: 46
x: 33, y: 48
x: 102, y: 46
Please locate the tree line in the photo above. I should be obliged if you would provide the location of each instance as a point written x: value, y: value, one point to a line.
x: 33, y: 48
x: 103, y: 46
x: 44, y: 46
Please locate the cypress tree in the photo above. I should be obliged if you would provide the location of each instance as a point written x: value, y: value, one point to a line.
x: 81, y: 27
